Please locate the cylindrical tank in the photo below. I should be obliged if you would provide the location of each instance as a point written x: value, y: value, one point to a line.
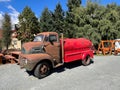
x: 76, y: 48
x: 71, y: 44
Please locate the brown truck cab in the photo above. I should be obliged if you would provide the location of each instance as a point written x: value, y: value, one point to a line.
x: 47, y: 51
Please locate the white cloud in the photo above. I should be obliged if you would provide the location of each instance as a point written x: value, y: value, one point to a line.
x: 14, y: 14
x: 5, y: 0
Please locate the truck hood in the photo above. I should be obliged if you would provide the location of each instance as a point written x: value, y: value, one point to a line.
x: 30, y: 45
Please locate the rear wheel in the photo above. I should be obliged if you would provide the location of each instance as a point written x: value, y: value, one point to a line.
x: 86, y: 61
x: 42, y: 70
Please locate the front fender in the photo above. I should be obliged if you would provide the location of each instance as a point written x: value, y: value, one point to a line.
x: 34, y: 59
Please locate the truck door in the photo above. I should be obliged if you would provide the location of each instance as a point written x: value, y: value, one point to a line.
x: 53, y: 47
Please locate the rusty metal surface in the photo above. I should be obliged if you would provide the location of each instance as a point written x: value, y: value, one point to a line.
x: 74, y: 49
x: 105, y: 46
x: 54, y: 51
x: 51, y: 50
x: 1, y: 54
x: 47, y: 33
x: 9, y: 59
x: 33, y: 59
x: 30, y: 45
x: 15, y: 52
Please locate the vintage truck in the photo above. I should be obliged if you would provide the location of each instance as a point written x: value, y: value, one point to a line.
x: 47, y: 51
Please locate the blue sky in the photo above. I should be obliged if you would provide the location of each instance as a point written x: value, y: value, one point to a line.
x: 14, y: 7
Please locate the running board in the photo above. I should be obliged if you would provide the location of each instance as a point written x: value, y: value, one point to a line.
x: 60, y: 64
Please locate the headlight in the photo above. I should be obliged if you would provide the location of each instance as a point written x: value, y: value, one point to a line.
x: 26, y: 61
x: 23, y: 60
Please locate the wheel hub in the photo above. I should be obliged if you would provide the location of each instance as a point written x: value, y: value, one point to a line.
x: 43, y: 69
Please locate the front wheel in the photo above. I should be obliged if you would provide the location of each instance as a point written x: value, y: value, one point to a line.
x: 86, y: 61
x: 42, y: 70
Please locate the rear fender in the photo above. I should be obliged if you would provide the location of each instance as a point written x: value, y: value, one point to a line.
x: 84, y: 56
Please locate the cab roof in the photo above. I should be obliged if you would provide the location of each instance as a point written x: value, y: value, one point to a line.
x: 47, y: 33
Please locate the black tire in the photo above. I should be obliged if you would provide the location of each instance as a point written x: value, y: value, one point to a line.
x: 42, y: 70
x: 86, y: 61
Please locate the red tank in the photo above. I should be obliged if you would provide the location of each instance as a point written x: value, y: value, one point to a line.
x: 77, y: 49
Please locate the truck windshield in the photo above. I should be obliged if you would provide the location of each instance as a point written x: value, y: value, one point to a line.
x: 38, y: 38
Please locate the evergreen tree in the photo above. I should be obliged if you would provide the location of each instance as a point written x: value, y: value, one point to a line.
x: 6, y: 31
x: 46, y: 21
x: 70, y: 24
x: 93, y: 15
x: 95, y: 22
x: 116, y: 33
x: 58, y: 19
x: 73, y: 4
x: 29, y: 25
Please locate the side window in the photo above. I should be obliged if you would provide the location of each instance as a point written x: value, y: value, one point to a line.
x: 53, y: 38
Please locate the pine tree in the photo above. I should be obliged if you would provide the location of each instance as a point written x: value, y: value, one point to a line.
x: 58, y: 19
x: 70, y: 21
x: 29, y: 25
x: 73, y: 4
x: 46, y: 21
x: 6, y: 30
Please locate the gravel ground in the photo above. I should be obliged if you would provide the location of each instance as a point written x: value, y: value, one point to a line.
x: 103, y: 74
